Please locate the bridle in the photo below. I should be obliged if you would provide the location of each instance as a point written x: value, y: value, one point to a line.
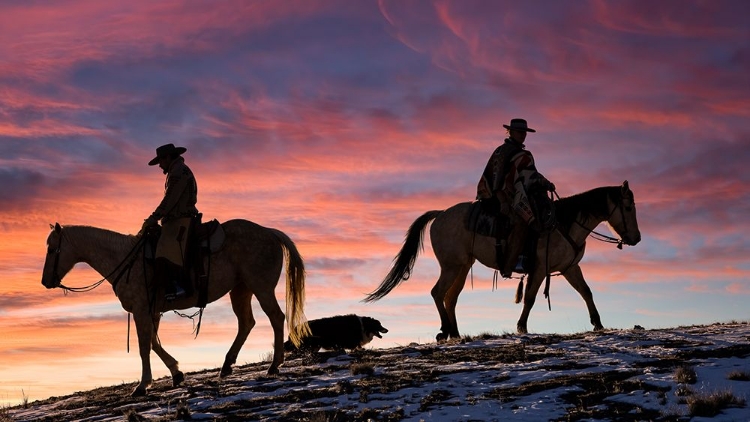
x: 56, y: 278
x: 603, y: 237
x: 577, y: 248
x: 120, y: 267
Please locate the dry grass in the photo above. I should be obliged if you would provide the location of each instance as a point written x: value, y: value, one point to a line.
x: 685, y: 375
x: 267, y: 357
x: 4, y: 416
x: 182, y: 412
x: 711, y: 404
x: 434, y: 399
x: 133, y: 416
x: 683, y: 391
x: 739, y: 376
x: 363, y: 369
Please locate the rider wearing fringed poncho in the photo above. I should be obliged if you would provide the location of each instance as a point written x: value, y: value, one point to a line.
x: 512, y: 178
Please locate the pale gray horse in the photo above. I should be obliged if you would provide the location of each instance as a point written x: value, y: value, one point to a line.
x: 456, y: 248
x: 249, y: 263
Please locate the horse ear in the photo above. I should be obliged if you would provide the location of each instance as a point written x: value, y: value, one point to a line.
x: 51, y: 227
x: 625, y: 186
x: 57, y: 228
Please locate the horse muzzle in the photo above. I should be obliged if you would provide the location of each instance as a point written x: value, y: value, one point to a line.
x: 51, y: 283
x: 631, y: 241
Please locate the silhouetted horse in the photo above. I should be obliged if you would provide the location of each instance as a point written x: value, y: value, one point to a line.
x: 456, y: 248
x: 249, y: 263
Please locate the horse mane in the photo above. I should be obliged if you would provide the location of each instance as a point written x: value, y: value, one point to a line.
x: 592, y: 203
x: 108, y: 236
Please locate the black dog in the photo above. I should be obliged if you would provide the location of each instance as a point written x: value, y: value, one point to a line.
x: 339, y: 332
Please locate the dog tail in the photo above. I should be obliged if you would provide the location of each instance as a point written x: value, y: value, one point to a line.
x: 289, y: 346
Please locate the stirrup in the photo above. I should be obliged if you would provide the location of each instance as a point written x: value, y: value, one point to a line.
x: 520, y: 264
x: 178, y: 293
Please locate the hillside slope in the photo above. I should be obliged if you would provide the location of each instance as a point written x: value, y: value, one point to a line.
x: 624, y: 375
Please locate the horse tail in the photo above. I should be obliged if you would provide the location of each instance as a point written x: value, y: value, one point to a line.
x: 519, y: 292
x: 295, y: 289
x: 404, y: 261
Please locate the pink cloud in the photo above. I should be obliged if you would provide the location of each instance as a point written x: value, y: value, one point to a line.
x: 706, y: 21
x: 738, y: 288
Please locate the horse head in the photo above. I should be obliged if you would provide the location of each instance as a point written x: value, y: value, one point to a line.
x: 622, y: 217
x: 57, y: 260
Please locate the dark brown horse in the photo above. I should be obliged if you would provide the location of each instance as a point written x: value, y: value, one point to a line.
x: 249, y: 263
x: 456, y: 249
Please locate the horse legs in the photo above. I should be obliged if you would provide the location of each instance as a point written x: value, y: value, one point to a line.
x: 574, y: 275
x: 448, y: 276
x: 451, y: 299
x: 533, y: 284
x: 241, y: 305
x: 169, y: 361
x: 270, y: 306
x: 145, y: 328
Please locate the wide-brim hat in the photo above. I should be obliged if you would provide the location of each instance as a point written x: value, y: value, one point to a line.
x: 519, y: 124
x: 165, y: 150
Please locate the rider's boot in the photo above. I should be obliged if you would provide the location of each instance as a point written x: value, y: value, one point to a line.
x: 166, y: 273
x: 521, y: 264
x: 174, y: 291
x: 513, y: 249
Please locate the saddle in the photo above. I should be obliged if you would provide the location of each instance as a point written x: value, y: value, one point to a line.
x: 485, y: 219
x: 209, y: 236
x: 205, y: 239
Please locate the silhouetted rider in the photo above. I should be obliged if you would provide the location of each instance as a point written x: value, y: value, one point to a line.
x: 512, y: 178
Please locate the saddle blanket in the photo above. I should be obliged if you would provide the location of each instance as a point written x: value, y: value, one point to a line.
x: 485, y: 219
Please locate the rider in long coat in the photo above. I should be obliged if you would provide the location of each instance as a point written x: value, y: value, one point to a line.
x: 511, y: 177
x: 176, y: 212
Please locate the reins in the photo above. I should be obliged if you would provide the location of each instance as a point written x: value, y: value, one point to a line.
x: 120, y: 270
x: 600, y: 236
x: 577, y: 248
x: 121, y: 267
x: 606, y: 239
x: 592, y: 233
x: 603, y: 237
x: 125, y: 265
x: 84, y: 289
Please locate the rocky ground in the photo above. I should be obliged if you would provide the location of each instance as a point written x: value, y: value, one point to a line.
x: 687, y: 373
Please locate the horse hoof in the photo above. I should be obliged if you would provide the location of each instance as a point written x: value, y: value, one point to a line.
x: 273, y: 371
x: 521, y: 329
x: 598, y: 328
x: 225, y: 372
x: 177, y: 378
x: 441, y: 337
x: 138, y: 392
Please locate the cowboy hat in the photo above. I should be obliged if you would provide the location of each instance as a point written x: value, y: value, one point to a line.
x: 166, y: 150
x: 518, y: 124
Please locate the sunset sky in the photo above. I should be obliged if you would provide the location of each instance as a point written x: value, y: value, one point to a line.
x: 339, y: 123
